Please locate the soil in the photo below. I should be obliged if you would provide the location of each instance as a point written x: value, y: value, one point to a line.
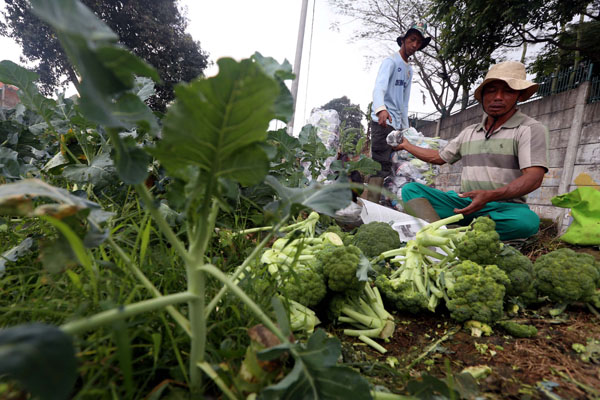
x: 543, y: 367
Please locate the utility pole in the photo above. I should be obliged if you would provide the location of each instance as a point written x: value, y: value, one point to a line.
x: 297, y: 63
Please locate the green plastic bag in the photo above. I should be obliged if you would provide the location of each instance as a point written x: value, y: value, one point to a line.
x: 584, y: 203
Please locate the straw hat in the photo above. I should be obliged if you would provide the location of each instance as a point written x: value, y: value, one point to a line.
x: 511, y: 72
x: 420, y: 28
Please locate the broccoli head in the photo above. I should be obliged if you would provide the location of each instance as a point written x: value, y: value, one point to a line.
x: 519, y: 269
x: 566, y: 276
x: 475, y: 292
x: 305, y: 285
x: 376, y: 237
x: 340, y: 265
x: 401, y: 295
x: 481, y: 244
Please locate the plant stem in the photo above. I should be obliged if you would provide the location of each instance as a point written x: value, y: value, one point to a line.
x: 215, y: 300
x: 208, y: 370
x: 122, y: 312
x: 163, y: 225
x: 217, y: 273
x: 182, y: 321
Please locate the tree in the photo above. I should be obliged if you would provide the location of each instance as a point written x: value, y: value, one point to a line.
x: 384, y: 20
x: 153, y: 30
x: 348, y: 112
x: 478, y: 25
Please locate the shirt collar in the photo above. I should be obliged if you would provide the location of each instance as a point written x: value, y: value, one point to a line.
x: 512, y: 122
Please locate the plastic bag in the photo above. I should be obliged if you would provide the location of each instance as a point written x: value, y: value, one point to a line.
x: 584, y: 203
x: 394, y: 138
x: 327, y: 123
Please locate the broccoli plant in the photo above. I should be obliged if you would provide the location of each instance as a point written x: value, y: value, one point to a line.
x: 481, y: 244
x: 475, y: 292
x: 519, y: 269
x: 376, y: 237
x: 566, y: 276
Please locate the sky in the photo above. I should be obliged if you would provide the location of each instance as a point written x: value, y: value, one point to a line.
x: 331, y: 67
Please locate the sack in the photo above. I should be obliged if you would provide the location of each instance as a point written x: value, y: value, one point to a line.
x: 584, y: 203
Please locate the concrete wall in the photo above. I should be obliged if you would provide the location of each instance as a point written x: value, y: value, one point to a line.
x: 557, y: 112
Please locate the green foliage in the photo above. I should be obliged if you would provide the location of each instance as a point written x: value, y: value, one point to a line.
x: 566, y: 276
x: 41, y: 357
x: 315, y: 374
x: 217, y: 125
x: 350, y: 114
x: 155, y: 32
x: 376, y: 237
x: 476, y: 292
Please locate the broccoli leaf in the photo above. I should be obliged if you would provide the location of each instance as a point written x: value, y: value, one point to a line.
x: 41, y: 357
x: 316, y: 374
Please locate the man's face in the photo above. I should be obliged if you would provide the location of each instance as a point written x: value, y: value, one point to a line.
x: 412, y: 42
x: 499, y: 98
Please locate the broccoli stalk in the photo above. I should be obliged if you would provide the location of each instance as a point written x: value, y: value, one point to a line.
x: 302, y: 318
x: 367, y: 314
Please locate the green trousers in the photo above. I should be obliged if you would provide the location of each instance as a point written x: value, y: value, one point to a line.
x: 513, y: 220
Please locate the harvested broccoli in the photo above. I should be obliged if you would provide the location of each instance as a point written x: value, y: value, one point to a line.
x: 519, y: 269
x: 376, y: 237
x: 518, y: 330
x: 566, y: 276
x: 475, y: 292
x: 401, y: 295
x: 481, y: 244
x: 364, y: 310
x: 304, y: 285
x: 340, y: 267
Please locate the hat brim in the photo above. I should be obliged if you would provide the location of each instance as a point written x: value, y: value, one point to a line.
x: 528, y: 88
x: 424, y: 43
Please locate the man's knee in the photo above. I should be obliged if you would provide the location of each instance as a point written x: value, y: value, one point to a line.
x: 520, y: 227
x: 412, y: 190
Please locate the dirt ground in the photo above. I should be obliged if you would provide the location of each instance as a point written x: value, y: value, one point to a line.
x: 544, y: 367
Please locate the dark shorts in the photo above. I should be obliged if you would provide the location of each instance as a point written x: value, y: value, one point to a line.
x: 380, y: 150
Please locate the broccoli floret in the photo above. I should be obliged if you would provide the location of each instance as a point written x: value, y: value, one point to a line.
x: 481, y: 244
x: 475, y: 292
x: 306, y: 286
x: 566, y: 276
x: 401, y: 295
x: 340, y: 266
x: 519, y: 269
x: 518, y: 330
x: 376, y: 237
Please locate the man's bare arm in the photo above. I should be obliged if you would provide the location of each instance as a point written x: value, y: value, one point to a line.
x: 530, y: 180
x: 428, y: 155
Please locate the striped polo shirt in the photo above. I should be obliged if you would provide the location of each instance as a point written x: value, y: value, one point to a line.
x: 522, y: 142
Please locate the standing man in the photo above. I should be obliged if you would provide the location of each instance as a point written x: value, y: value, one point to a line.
x: 504, y: 157
x: 390, y: 101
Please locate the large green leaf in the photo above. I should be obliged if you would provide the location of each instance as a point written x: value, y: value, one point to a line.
x: 107, y: 69
x: 100, y: 172
x: 15, y: 199
x: 219, y: 123
x: 324, y: 199
x: 316, y: 374
x: 41, y: 357
x: 284, y: 106
x: 13, y: 74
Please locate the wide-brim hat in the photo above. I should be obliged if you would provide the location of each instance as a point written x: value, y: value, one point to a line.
x: 513, y: 73
x: 419, y: 28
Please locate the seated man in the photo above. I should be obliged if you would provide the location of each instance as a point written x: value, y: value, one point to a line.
x: 504, y: 158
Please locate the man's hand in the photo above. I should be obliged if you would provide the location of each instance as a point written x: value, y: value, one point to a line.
x: 384, y: 116
x: 401, y: 145
x: 480, y: 199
